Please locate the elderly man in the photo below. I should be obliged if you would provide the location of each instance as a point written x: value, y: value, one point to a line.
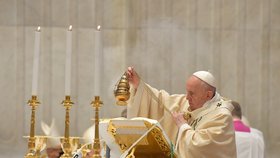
x: 199, y: 123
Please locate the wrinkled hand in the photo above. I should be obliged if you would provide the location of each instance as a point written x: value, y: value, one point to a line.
x: 133, y: 77
x: 179, y: 118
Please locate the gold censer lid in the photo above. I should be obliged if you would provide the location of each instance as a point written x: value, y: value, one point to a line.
x: 121, y: 91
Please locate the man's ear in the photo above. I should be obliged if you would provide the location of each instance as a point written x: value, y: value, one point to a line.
x: 210, y: 94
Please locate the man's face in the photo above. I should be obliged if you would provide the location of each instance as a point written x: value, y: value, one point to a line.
x: 196, y: 93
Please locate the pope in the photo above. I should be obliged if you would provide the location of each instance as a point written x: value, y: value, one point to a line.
x: 199, y: 122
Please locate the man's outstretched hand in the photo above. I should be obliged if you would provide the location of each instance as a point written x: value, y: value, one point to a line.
x: 133, y: 77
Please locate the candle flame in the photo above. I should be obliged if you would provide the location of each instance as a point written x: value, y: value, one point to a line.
x: 98, y: 27
x: 70, y: 28
x: 38, y: 29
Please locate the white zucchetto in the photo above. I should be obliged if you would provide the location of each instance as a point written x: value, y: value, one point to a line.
x: 206, y: 77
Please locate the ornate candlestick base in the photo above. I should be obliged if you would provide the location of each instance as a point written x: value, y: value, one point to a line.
x: 31, y: 148
x: 86, y: 149
x: 39, y: 146
x: 66, y: 147
x: 69, y: 145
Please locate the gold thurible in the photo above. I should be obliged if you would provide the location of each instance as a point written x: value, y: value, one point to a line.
x: 33, y: 102
x: 121, y: 91
x: 96, y: 104
x: 66, y: 144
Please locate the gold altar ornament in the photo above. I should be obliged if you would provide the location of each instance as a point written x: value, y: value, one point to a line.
x: 69, y: 144
x: 121, y: 91
x: 96, y: 104
x: 34, y: 143
x: 40, y: 145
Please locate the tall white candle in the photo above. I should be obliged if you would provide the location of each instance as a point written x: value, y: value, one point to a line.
x: 36, y: 62
x: 97, y: 61
x: 68, y: 61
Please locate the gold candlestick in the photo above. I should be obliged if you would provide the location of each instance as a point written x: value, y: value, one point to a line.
x: 33, y: 102
x: 96, y: 146
x: 66, y: 144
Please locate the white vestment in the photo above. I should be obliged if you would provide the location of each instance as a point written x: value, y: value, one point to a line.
x: 250, y: 145
x: 210, y: 133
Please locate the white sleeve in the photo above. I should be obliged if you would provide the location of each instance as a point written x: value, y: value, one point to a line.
x: 183, y: 128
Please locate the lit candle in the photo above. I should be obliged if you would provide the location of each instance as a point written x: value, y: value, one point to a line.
x: 68, y: 61
x: 97, y: 61
x: 36, y: 62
